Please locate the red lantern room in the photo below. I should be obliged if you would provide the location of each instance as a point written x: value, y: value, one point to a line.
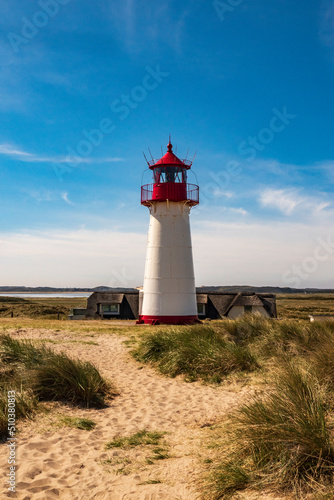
x: 169, y: 181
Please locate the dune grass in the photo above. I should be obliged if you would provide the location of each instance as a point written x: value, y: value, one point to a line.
x: 38, y: 373
x: 197, y: 352
x: 74, y: 381
x: 282, y: 439
x: 25, y: 405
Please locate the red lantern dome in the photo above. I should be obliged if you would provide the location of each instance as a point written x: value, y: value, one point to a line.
x: 170, y: 181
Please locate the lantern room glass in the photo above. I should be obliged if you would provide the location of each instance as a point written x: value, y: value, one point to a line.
x: 169, y: 174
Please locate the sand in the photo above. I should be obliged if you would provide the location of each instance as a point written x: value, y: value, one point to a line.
x: 59, y: 462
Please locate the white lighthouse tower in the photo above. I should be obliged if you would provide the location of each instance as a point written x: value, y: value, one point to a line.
x: 169, y: 282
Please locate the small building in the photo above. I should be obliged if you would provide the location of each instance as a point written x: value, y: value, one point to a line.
x: 110, y: 305
x: 216, y: 305
x: 213, y: 305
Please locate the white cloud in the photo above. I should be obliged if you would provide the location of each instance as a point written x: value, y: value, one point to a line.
x: 239, y: 211
x: 326, y: 31
x: 19, y: 154
x: 74, y: 258
x: 224, y: 254
x: 66, y: 199
x: 163, y: 23
x: 219, y: 193
x: 289, y: 200
x: 285, y: 200
x: 258, y: 253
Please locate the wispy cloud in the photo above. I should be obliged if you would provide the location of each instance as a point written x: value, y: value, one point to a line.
x: 289, y: 200
x: 21, y: 155
x: 66, y: 199
x: 239, y: 211
x: 326, y: 31
x: 163, y: 23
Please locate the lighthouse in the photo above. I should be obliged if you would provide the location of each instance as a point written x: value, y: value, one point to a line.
x: 169, y: 294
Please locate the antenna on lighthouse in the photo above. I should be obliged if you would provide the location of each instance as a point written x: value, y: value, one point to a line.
x: 151, y: 154
x: 192, y: 161
x: 145, y: 158
x: 187, y: 153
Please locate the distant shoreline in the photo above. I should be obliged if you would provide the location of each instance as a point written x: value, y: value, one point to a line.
x: 14, y: 290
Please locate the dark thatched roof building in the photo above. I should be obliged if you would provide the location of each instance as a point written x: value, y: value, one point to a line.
x: 214, y: 305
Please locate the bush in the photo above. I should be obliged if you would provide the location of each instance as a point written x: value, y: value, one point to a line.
x: 195, y: 351
x: 281, y: 439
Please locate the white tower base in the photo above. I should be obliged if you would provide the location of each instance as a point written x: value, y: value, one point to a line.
x: 169, y: 282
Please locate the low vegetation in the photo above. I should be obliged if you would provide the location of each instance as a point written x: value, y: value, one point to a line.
x: 48, y: 308
x: 281, y: 440
x: 198, y: 352
x: 78, y: 423
x: 152, y: 447
x: 142, y: 437
x: 25, y: 404
x: 38, y: 373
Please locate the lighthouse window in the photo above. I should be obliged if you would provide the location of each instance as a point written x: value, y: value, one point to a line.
x: 170, y: 174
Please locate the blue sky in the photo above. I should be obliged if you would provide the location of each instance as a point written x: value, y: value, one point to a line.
x: 86, y: 87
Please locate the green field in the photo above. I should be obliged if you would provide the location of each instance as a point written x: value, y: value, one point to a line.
x: 294, y: 306
x: 300, y: 306
x: 47, y: 308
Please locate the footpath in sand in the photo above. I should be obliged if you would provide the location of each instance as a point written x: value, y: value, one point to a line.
x: 66, y: 463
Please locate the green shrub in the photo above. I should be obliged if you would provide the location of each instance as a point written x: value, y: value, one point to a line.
x: 195, y: 351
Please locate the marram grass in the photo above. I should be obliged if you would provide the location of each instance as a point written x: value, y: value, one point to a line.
x: 197, y: 352
x: 280, y: 440
x: 38, y: 373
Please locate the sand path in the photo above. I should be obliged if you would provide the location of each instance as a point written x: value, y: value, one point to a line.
x: 66, y: 463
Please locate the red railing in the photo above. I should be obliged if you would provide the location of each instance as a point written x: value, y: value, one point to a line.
x: 172, y: 191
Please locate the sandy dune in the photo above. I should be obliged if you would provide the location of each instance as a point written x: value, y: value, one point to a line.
x: 66, y: 463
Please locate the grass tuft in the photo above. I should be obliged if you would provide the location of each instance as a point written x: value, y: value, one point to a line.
x: 282, y: 439
x: 142, y: 437
x: 78, y: 423
x: 37, y: 373
x: 74, y: 381
x: 25, y: 406
x: 194, y: 351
